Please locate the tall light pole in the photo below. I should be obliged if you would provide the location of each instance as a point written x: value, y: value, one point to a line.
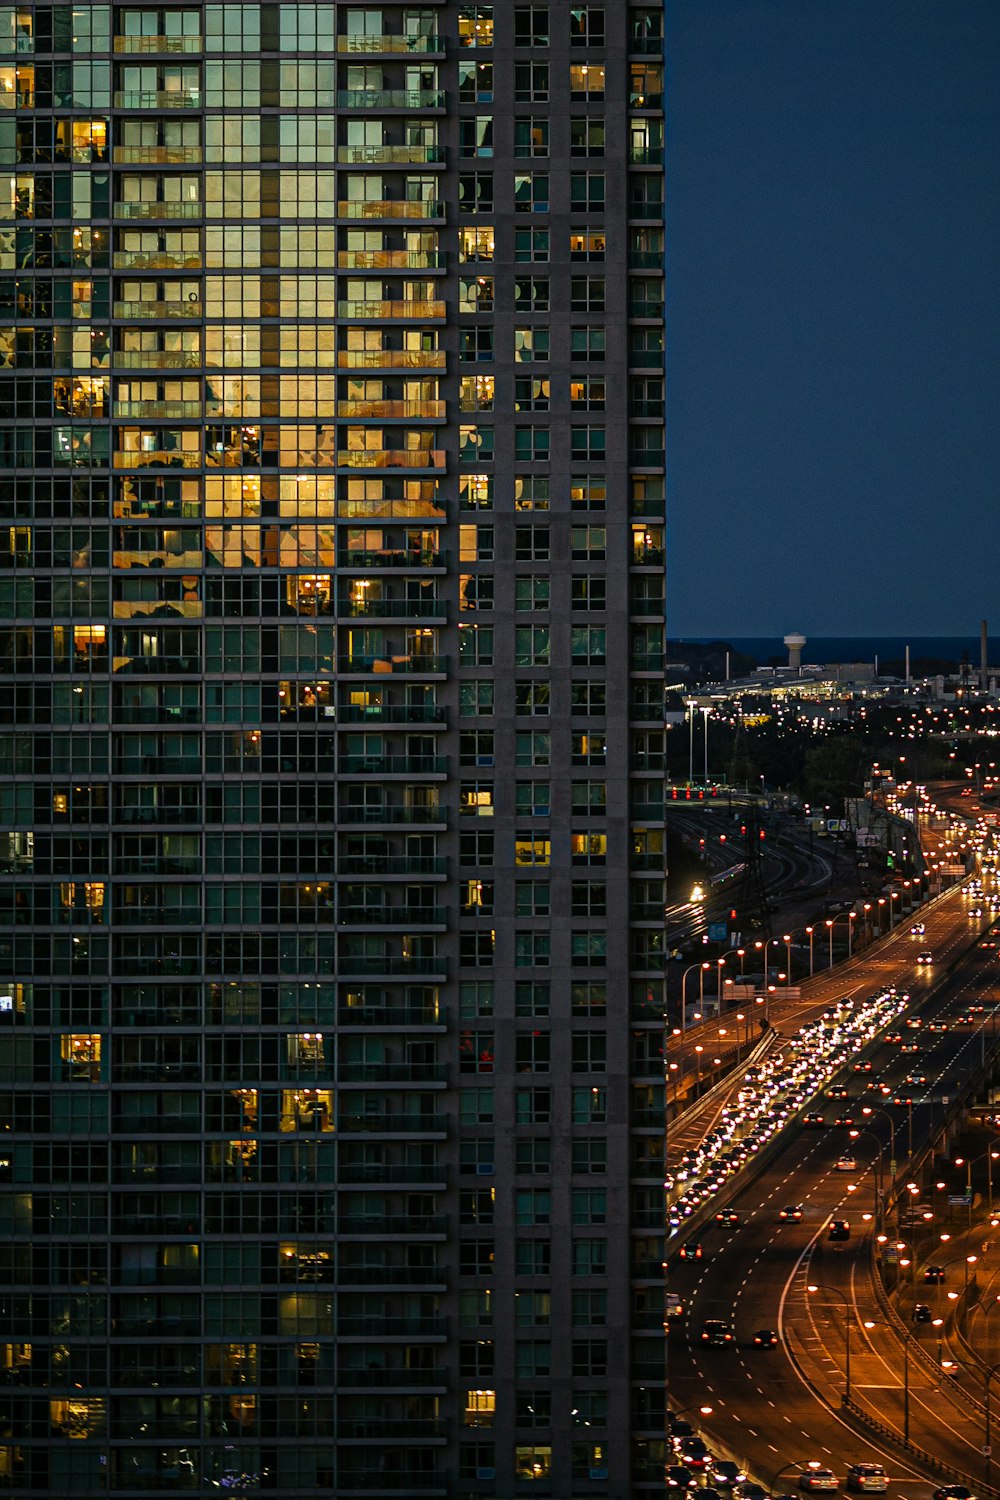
x: 786, y: 938
x: 692, y: 704
x: 877, y: 1180
x: 812, y: 934
x: 832, y: 1291
x: 831, y: 922
x: 987, y: 1444
x: 689, y: 970
x: 706, y: 711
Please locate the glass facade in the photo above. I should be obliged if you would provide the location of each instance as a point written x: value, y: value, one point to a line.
x: 331, y: 741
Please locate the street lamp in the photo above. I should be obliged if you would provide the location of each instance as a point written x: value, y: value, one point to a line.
x: 877, y: 1175
x: 697, y: 1055
x: 987, y: 1445
x: 692, y: 704
x: 832, y: 1291
x: 786, y: 938
x: 701, y: 994
x: 706, y: 710
x: 811, y: 934
x: 831, y: 922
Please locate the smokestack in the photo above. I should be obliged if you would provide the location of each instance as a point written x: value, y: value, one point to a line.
x: 984, y: 656
x: 907, y: 663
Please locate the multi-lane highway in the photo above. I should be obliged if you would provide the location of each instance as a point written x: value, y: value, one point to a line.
x: 781, y: 1406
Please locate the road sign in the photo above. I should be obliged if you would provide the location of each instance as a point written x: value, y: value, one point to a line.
x: 892, y: 1167
x: 960, y: 1200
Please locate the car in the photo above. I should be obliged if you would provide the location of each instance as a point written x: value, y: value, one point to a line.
x: 893, y: 1037
x: 838, y: 1092
x: 918, y: 929
x: 867, y: 1479
x: 694, y: 1452
x: 691, y: 1251
x: 953, y: 1492
x: 680, y: 1477
x: 938, y: 1027
x: 840, y: 1229
x: 976, y: 911
x: 765, y: 1338
x: 925, y: 956
x: 921, y: 1313
x: 814, y: 1120
x: 818, y: 1479
x: 725, y: 1474
x: 844, y: 1121
x: 916, y: 1080
x: 728, y: 1218
x: 910, y: 1047
x: 846, y: 1164
x: 902, y: 1101
x: 791, y: 1213
x: 863, y: 1067
x: 716, y: 1333
x: 934, y: 1275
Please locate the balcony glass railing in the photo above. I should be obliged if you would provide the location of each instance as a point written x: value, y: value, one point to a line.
x: 156, y: 260
x: 394, y: 765
x: 155, y: 44
x: 391, y: 260
x: 157, y: 99
x: 181, y: 209
x: 392, y: 359
x: 392, y: 308
x: 130, y: 310
x: 390, y: 208
x: 373, y: 156
x: 393, y: 609
x: 157, y: 156
x: 390, y: 43
x: 391, y: 99
x: 434, y: 411
x: 391, y: 458
x: 156, y: 359
x: 391, y: 713
x: 387, y: 814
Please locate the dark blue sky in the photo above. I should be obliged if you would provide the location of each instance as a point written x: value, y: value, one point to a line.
x: 833, y: 236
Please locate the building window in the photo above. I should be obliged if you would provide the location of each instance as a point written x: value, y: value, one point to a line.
x: 531, y: 26
x: 531, y: 83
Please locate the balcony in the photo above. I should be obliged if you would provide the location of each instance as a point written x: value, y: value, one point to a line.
x: 391, y: 260
x: 645, y: 260
x: 370, y: 45
x: 363, y: 1174
x: 376, y: 310
x: 157, y: 156
x: 646, y: 359
x: 380, y: 99
x: 167, y: 458
x: 393, y: 1124
x: 404, y: 1224
x: 382, y: 865
x: 180, y: 209
x: 392, y: 713
x: 394, y: 765
x: 156, y: 359
x: 387, y: 814
x: 135, y: 310
x: 645, y: 46
x: 646, y: 101
x: 396, y: 666
x: 394, y: 967
x: 380, y: 1378
x: 393, y: 609
x: 384, y: 1073
x: 374, y: 156
x: 388, y: 557
x: 157, y: 99
x: 155, y: 260
x: 375, y: 1429
x: 391, y: 208
x: 165, y: 409
x: 645, y: 156
x: 393, y: 359
x: 391, y: 458
x: 151, y: 45
x: 646, y: 307
x: 431, y: 411
x: 392, y: 916
x: 647, y: 458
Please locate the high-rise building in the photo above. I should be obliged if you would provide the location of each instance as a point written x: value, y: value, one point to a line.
x: 331, y: 687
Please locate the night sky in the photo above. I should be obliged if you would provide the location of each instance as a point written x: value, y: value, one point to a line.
x: 833, y: 223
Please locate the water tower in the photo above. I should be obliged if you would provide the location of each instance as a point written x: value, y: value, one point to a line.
x: 795, y: 642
